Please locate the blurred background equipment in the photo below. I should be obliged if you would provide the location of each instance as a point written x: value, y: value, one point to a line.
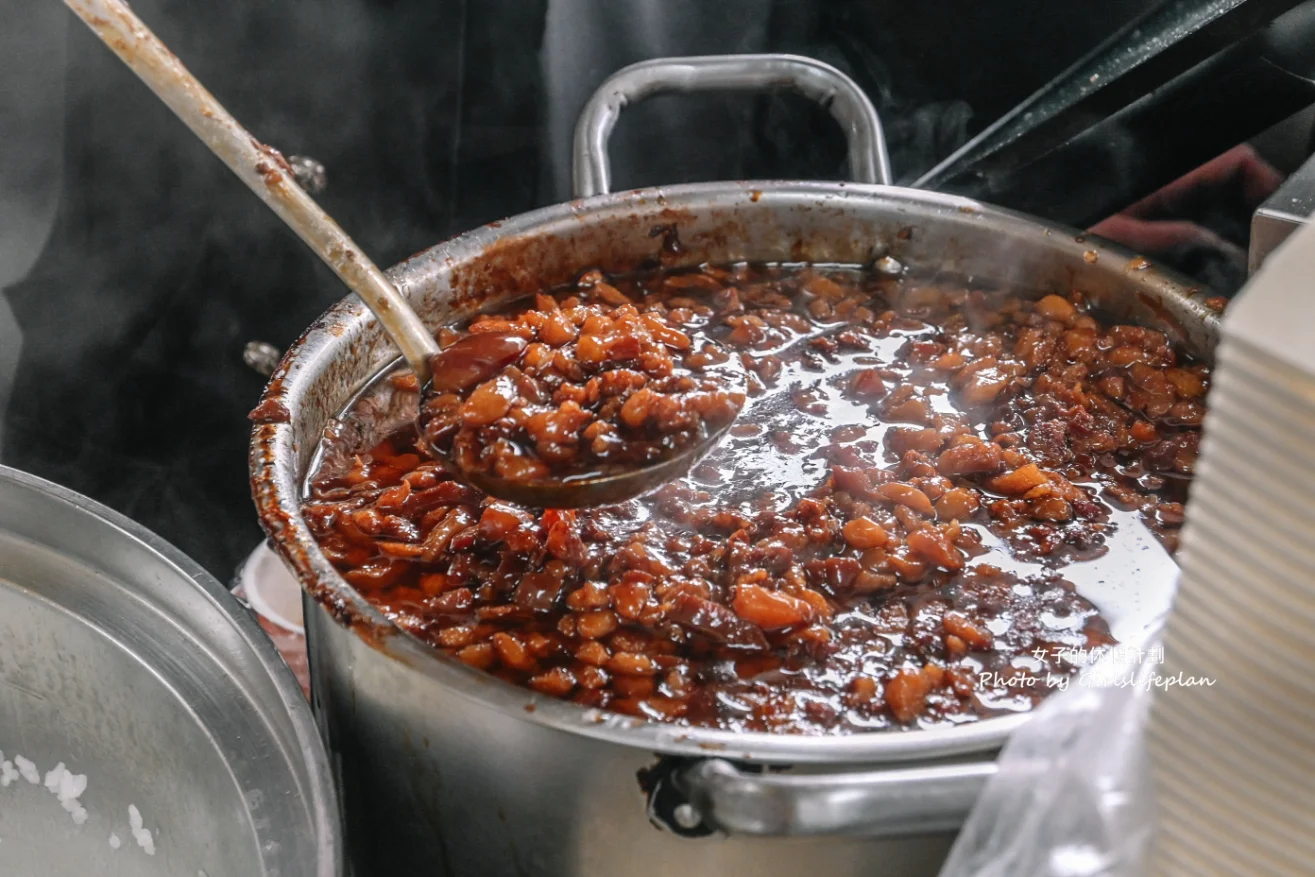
x: 1169, y: 91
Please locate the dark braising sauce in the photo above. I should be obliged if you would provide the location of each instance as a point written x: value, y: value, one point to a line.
x: 887, y: 538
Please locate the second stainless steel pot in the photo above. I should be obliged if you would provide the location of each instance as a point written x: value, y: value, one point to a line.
x: 444, y: 769
x: 127, y: 668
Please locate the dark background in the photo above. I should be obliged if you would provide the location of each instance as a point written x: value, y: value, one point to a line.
x: 432, y: 117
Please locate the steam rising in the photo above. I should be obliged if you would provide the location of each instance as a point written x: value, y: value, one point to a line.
x: 160, y: 266
x: 681, y: 138
x: 156, y: 267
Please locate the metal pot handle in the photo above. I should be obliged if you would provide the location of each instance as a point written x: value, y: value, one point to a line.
x: 868, y: 160
x: 879, y: 803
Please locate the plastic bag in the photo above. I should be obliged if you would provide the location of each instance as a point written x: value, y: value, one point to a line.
x: 1072, y: 796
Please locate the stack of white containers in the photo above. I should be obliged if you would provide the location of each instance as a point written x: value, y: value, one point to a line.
x: 1232, y: 733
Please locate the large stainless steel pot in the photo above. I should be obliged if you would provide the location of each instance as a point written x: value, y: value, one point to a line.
x: 446, y: 770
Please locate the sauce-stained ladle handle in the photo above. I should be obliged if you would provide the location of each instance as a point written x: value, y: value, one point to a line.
x: 262, y: 168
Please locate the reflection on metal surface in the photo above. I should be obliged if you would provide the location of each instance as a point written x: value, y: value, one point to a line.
x: 1284, y: 211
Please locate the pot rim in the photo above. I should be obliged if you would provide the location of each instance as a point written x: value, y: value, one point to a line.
x: 277, y: 491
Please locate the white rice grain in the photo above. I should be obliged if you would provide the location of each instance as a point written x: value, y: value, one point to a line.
x: 27, y: 770
x: 68, y: 787
x: 72, y: 785
x: 140, y: 834
x: 54, y: 777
